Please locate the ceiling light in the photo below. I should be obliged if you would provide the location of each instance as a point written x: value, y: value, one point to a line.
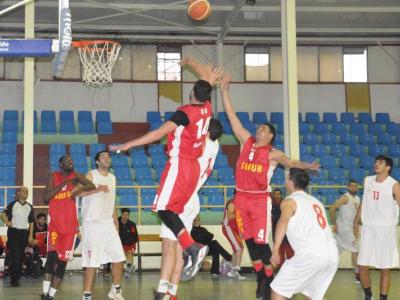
x: 250, y: 2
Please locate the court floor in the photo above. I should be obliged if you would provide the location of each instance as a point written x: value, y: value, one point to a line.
x: 203, y: 287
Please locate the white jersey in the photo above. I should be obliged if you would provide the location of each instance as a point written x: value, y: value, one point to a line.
x: 379, y: 208
x: 99, y: 207
x: 308, y: 229
x: 348, y: 211
x: 207, y: 161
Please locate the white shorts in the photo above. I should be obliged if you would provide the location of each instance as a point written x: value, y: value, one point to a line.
x: 378, y: 247
x: 100, y: 245
x: 346, y: 240
x: 191, y: 210
x: 309, y: 274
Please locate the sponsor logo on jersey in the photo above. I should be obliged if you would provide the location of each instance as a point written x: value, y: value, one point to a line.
x: 250, y: 167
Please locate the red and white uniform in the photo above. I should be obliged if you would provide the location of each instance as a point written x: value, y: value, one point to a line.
x: 252, y: 200
x: 231, y: 232
x: 185, y: 145
x: 63, y: 219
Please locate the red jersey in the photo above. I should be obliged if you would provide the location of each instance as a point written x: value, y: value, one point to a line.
x: 62, y: 208
x: 253, y: 169
x: 187, y: 141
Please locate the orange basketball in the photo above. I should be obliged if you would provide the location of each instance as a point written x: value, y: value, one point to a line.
x: 199, y: 10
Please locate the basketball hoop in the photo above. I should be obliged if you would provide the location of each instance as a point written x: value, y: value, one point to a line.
x: 98, y: 59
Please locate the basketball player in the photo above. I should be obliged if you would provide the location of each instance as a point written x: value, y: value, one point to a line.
x: 186, y: 132
x: 303, y: 219
x: 343, y: 227
x: 231, y: 232
x: 254, y: 169
x: 379, y: 215
x: 99, y: 216
x: 62, y: 188
x: 172, y: 262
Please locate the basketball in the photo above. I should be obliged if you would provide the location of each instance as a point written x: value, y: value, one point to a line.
x: 199, y: 10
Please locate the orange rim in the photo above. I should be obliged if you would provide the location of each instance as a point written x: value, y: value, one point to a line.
x: 81, y: 44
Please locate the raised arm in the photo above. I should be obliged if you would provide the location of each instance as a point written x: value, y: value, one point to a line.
x: 285, y: 161
x: 148, y: 138
x: 332, y: 210
x: 240, y: 132
x: 288, y: 208
x: 206, y: 72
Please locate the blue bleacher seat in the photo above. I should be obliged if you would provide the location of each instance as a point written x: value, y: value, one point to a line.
x: 331, y: 198
x: 126, y: 182
x: 10, y: 115
x: 277, y: 118
x: 67, y: 127
x: 57, y: 149
x: 158, y: 161
x: 221, y: 161
x: 86, y: 127
x: 79, y: 159
x: 338, y: 150
x: 85, y: 116
x: 335, y: 173
x: 7, y: 160
x: 347, y: 139
x: 328, y: 161
x: 139, y: 160
x: 321, y: 128
x: 104, y: 127
x: 216, y: 199
x: 250, y: 127
x: 304, y: 150
x: 66, y: 115
x: 48, y: 115
x: 278, y: 177
x: 357, y: 128
x: 243, y: 116
x: 329, y: 139
x: 123, y: 173
x: 366, y: 138
x: 259, y: 117
x: 48, y: 127
x: 153, y: 116
x: 364, y: 118
x: 279, y: 139
x: 385, y: 139
x: 375, y: 129
x: 312, y: 117
x: 8, y: 148
x: 367, y: 162
x: 228, y: 181
x: 155, y: 125
x: 374, y: 149
x: 9, y: 137
x: 147, y: 200
x: 394, y: 150
x: 310, y: 139
x: 168, y: 115
x: 357, y: 150
x: 347, y: 117
x: 227, y: 128
x: 348, y: 162
x: 95, y: 148
x: 103, y: 116
x: 304, y: 128
x: 10, y: 126
x: 357, y: 175
x: 329, y: 117
x: 81, y: 169
x: 396, y: 174
x: 319, y: 150
x: 225, y: 173
x: 143, y: 173
x: 120, y: 161
x: 77, y: 149
x: 156, y: 149
x: 382, y: 118
x: 7, y: 173
x: 128, y: 200
x: 339, y: 128
x: 393, y: 128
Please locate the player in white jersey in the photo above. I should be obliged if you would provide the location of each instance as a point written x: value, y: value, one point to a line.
x: 347, y: 204
x: 171, y: 268
x: 303, y: 219
x: 379, y: 215
x: 101, y: 243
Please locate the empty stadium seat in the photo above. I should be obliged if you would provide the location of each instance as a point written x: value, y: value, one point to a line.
x: 250, y: 127
x: 10, y: 115
x: 85, y: 116
x: 129, y: 200
x: 214, y: 200
x: 339, y: 128
x: 347, y: 138
x: 143, y: 173
x: 81, y: 169
x: 308, y: 158
x: 304, y: 128
x: 243, y: 116
x: 382, y: 118
x: 66, y: 116
x: 67, y: 127
x: 139, y: 160
x: 319, y: 150
x: 147, y: 200
x: 57, y: 149
x: 357, y: 128
x: 10, y: 126
x: 375, y: 129
x: 79, y: 159
x: 168, y: 115
x: 104, y: 127
x: 364, y: 118
x: 48, y: 115
x: 123, y: 173
x: 103, y: 116
x: 329, y: 139
x: 396, y: 174
x: 357, y: 175
x: 394, y: 150
x: 222, y: 116
x: 77, y: 149
x: 95, y: 148
x: 329, y: 117
x: 357, y: 150
x: 385, y: 139
x: 321, y: 128
x: 259, y: 117
x: 156, y: 149
x: 277, y: 118
x: 347, y: 162
x: 120, y: 161
x: 7, y: 160
x: 158, y: 161
x: 221, y: 161
x: 310, y: 139
x: 225, y: 173
x: 338, y: 150
x: 367, y: 162
x: 86, y: 127
x: 347, y: 117
x: 155, y: 125
x: 48, y: 127
x: 393, y: 128
x: 366, y: 138
x: 328, y: 161
x: 8, y: 148
x: 304, y: 150
x: 312, y: 117
x: 153, y: 116
x: 7, y: 173
x: 336, y: 174
x: 374, y: 149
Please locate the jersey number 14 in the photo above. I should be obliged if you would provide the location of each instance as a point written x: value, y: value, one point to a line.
x: 202, y: 127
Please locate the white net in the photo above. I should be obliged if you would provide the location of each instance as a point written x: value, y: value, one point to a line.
x: 98, y: 59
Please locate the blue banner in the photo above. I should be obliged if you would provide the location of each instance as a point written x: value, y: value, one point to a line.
x: 25, y: 48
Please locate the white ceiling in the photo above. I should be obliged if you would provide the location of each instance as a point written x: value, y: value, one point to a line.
x: 334, y: 21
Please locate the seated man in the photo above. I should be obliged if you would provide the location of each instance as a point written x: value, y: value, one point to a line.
x: 129, y: 237
x: 38, y: 246
x: 202, y: 235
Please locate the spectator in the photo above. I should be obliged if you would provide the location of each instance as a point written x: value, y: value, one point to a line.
x: 129, y: 237
x: 19, y: 218
x: 38, y: 246
x: 203, y: 236
x: 285, y: 251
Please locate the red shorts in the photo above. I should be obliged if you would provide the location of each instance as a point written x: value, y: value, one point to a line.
x: 177, y: 184
x: 129, y: 248
x: 253, y: 216
x: 63, y: 243
x: 233, y: 237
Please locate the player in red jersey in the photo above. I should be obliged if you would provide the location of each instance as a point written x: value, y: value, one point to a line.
x: 186, y: 132
x: 60, y: 193
x: 254, y: 170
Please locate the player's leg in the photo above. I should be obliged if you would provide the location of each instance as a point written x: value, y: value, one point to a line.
x: 167, y: 264
x: 89, y: 275
x: 384, y: 283
x: 276, y: 296
x: 365, y: 281
x: 176, y: 274
x: 355, y: 266
x: 129, y: 262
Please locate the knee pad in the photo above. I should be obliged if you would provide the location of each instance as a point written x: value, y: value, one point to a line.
x: 171, y: 220
x: 50, y: 262
x: 253, y: 249
x: 265, y: 253
x: 60, y: 268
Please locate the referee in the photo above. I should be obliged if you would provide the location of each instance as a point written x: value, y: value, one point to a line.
x: 19, y: 218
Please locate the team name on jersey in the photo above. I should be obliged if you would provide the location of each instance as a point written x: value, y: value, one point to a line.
x: 250, y: 167
x: 63, y: 195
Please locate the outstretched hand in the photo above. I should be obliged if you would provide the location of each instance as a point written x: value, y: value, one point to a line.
x: 225, y: 82
x: 215, y: 74
x: 314, y: 166
x: 116, y: 148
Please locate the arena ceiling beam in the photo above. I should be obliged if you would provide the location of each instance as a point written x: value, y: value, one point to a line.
x: 230, y: 19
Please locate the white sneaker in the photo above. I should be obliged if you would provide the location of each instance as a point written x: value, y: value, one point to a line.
x: 239, y: 276
x: 127, y: 274
x: 115, y: 296
x: 231, y: 274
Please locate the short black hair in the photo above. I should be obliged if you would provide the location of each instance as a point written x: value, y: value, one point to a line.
x: 124, y: 210
x: 60, y: 160
x: 299, y: 177
x: 202, y: 91
x: 272, y: 129
x: 277, y: 190
x: 97, y: 157
x: 215, y: 129
x: 352, y: 181
x: 40, y: 215
x: 388, y: 161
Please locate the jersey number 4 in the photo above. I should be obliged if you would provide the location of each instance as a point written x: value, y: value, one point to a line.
x: 320, y: 216
x: 202, y: 127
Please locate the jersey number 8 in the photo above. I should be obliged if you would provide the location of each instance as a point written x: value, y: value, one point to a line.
x: 320, y: 216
